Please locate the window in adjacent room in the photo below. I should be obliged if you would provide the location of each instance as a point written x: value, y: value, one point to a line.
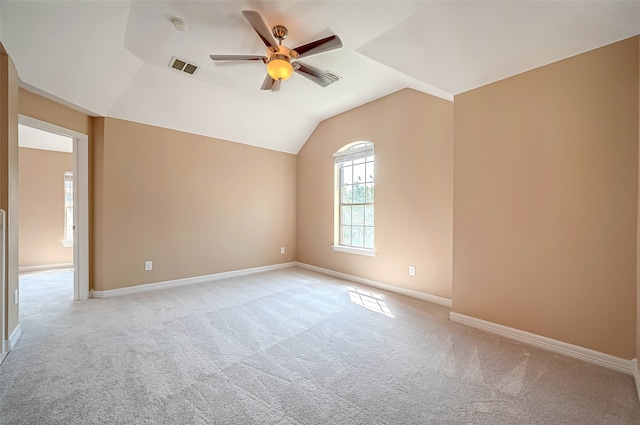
x: 354, y: 199
x: 68, y: 209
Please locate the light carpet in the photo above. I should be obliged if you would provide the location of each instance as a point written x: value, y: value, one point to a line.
x: 286, y: 347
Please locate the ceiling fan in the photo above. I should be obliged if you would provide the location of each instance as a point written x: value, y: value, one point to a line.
x: 280, y: 60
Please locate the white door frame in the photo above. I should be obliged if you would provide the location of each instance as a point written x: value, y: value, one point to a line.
x: 80, y: 202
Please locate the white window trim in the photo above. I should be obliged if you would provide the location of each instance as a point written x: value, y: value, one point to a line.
x: 350, y: 151
x: 347, y: 152
x: 354, y: 250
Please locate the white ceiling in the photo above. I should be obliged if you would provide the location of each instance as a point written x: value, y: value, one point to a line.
x: 110, y: 58
x: 34, y: 138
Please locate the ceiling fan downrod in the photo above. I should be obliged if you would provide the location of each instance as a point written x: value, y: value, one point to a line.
x: 280, y: 33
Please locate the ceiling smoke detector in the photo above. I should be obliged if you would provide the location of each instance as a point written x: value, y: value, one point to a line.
x: 179, y: 24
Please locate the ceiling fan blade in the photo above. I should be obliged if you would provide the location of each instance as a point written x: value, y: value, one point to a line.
x: 276, y: 85
x: 268, y: 83
x: 263, y: 31
x: 319, y: 46
x: 238, y: 58
x: 311, y: 73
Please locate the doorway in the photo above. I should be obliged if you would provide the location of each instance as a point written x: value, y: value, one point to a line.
x: 74, y: 228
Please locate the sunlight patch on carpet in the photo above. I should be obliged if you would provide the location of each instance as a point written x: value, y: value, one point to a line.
x: 369, y: 300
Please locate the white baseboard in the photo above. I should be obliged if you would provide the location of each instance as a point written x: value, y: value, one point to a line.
x: 570, y: 350
x: 45, y: 267
x: 186, y: 281
x: 636, y: 375
x: 14, y: 337
x: 402, y: 291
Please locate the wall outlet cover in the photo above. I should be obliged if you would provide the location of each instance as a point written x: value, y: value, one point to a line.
x: 148, y: 265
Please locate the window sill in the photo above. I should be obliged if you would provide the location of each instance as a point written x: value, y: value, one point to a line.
x: 352, y: 250
x: 67, y: 244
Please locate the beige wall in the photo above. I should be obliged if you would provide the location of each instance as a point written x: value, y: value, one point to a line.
x: 191, y: 204
x: 413, y: 138
x: 9, y: 180
x: 233, y: 208
x: 41, y: 207
x: 546, y: 197
x: 38, y: 107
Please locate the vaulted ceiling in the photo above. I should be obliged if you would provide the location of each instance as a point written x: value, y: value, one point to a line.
x: 111, y: 58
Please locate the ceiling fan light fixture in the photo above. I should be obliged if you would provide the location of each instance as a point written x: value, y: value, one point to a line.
x: 279, y: 69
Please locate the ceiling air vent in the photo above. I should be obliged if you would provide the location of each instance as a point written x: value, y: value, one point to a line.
x: 330, y: 76
x: 182, y: 65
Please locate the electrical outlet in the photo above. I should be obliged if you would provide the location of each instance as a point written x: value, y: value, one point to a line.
x: 15, y: 297
x: 281, y: 250
x: 148, y: 265
x: 412, y: 270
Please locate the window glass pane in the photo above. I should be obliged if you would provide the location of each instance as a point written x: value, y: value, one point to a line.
x: 357, y: 236
x: 368, y: 237
x: 370, y: 171
x: 345, y: 215
x: 68, y: 204
x: 369, y: 192
x: 346, y: 175
x: 359, y: 194
x: 368, y: 215
x: 359, y: 173
x: 68, y: 192
x: 345, y: 235
x: 346, y: 197
x: 357, y: 216
x: 69, y: 225
x: 359, y: 160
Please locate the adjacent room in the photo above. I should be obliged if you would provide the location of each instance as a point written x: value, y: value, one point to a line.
x: 380, y: 212
x: 45, y: 233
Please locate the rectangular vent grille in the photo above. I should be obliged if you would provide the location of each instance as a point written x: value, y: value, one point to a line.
x: 182, y: 65
x: 330, y: 76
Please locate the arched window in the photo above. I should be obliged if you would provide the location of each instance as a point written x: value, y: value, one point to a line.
x: 354, y: 199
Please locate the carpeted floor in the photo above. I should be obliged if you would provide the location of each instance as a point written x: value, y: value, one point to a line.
x: 44, y: 291
x: 286, y: 347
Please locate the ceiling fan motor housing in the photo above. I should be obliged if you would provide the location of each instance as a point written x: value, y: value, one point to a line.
x: 283, y: 53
